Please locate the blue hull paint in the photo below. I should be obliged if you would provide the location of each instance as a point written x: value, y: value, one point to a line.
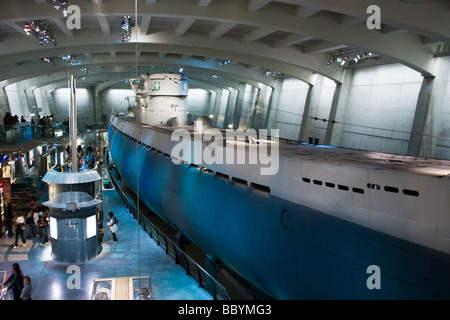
x: 301, y: 254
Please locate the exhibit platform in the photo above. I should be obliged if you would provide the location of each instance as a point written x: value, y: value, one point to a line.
x: 135, y: 254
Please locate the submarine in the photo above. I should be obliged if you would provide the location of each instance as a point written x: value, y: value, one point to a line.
x: 296, y: 220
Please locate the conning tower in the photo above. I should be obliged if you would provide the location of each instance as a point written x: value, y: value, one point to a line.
x: 162, y: 100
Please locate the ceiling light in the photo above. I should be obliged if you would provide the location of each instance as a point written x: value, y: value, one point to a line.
x: 42, y: 32
x: 70, y: 59
x: 49, y: 61
x: 27, y: 28
x: 125, y: 35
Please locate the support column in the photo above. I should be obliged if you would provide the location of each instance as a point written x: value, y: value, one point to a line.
x: 238, y: 106
x: 333, y: 112
x: 32, y: 106
x: 305, y: 118
x: 273, y: 103
x: 4, y: 104
x: 341, y: 110
x: 214, y: 106
x: 230, y: 108
x: 221, y: 100
x: 420, y: 116
x: 51, y: 102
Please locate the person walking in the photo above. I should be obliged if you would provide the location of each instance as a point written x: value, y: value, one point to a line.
x: 20, y: 229
x: 112, y: 223
x: 15, y: 282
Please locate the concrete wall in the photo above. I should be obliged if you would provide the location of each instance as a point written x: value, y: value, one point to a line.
x: 115, y: 99
x: 287, y: 106
x: 198, y: 102
x: 376, y: 109
x: 85, y: 106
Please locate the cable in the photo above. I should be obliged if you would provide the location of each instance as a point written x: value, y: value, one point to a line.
x: 137, y: 154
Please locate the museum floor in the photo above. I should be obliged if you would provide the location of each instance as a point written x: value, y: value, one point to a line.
x: 129, y: 257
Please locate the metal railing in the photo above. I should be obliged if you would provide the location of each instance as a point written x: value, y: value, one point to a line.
x: 25, y: 132
x: 204, y: 279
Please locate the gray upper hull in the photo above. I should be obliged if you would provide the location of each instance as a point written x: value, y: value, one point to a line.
x: 288, y: 250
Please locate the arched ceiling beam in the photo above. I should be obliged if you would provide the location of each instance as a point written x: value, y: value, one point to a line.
x: 26, y: 70
x: 105, y: 77
x: 406, y: 48
x: 287, y: 60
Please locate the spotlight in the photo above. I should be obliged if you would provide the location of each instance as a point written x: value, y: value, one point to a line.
x: 330, y: 62
x: 344, y: 60
x: 27, y: 28
x: 50, y: 61
x: 85, y: 70
x: 125, y: 35
x: 70, y: 59
x: 43, y: 33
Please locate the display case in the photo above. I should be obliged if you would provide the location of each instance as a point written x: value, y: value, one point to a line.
x: 124, y: 288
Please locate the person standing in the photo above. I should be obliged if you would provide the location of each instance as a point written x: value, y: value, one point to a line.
x: 20, y: 229
x: 43, y: 226
x: 26, y: 291
x: 9, y: 219
x: 15, y: 282
x: 112, y: 223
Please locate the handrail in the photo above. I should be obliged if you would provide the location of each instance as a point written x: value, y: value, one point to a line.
x: 204, y: 279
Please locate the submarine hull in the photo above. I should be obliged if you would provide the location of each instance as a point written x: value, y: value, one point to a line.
x: 287, y: 250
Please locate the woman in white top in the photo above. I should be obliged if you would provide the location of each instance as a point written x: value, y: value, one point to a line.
x: 112, y: 223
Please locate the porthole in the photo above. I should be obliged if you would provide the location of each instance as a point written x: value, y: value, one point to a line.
x: 358, y: 190
x: 391, y: 189
x: 373, y: 186
x: 317, y: 182
x: 412, y: 193
x: 284, y: 219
